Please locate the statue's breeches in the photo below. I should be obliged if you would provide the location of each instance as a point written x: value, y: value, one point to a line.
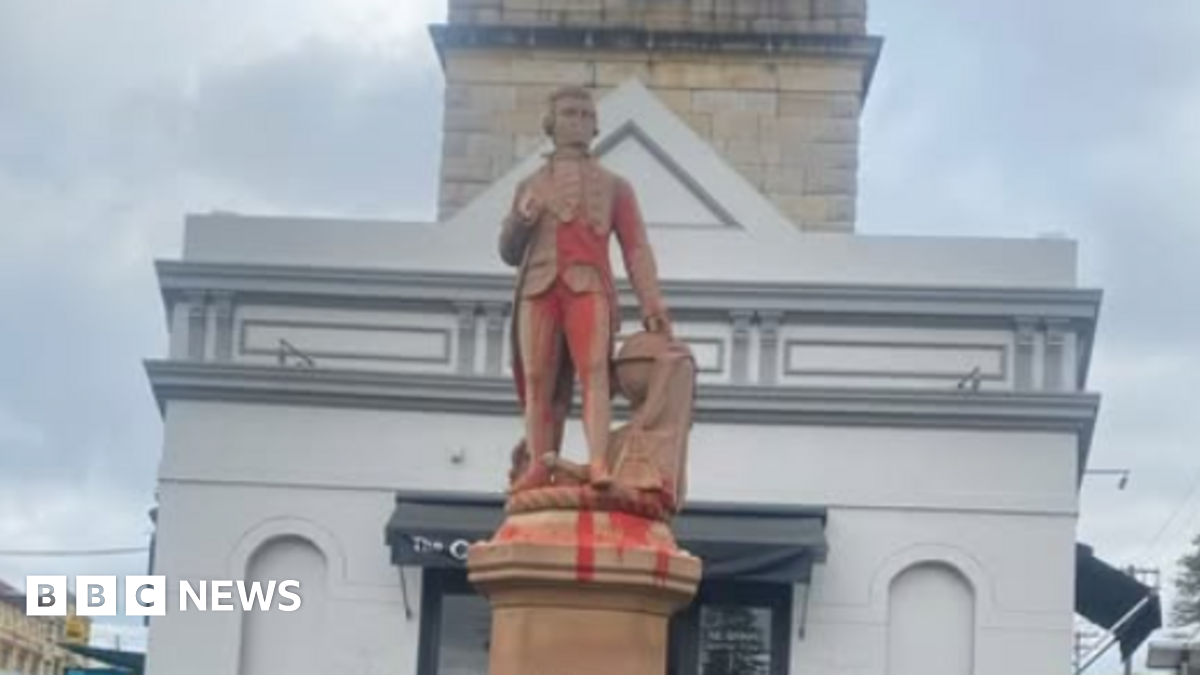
x: 580, y: 324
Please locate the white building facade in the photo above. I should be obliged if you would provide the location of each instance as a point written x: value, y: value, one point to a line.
x: 917, y: 407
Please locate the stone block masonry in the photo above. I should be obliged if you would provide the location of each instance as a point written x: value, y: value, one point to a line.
x: 787, y: 118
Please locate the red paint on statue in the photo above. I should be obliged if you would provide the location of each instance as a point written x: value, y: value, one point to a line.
x: 585, y: 543
x: 580, y: 244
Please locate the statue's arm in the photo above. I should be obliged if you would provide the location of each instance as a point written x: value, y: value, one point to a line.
x: 515, y: 233
x: 637, y: 254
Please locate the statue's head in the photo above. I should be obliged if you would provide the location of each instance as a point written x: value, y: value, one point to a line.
x: 571, y: 117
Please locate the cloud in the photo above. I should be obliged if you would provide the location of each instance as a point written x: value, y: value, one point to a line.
x: 118, y: 118
x: 16, y: 436
x: 319, y: 129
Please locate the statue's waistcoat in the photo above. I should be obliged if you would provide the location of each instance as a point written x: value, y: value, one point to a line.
x: 576, y: 192
x: 578, y: 188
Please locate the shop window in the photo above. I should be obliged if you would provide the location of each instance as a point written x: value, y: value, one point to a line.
x: 733, y: 628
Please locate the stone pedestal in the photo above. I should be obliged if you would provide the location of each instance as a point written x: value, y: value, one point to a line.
x: 582, y: 592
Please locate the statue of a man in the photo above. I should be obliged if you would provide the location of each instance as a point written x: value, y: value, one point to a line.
x: 566, y: 313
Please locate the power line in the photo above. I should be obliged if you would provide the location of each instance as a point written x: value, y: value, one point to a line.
x: 1151, y: 544
x: 1193, y: 525
x: 73, y: 553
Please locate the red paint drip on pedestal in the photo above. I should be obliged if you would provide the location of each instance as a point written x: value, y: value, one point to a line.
x: 662, y: 566
x: 508, y: 532
x: 631, y: 530
x: 585, y: 542
x: 634, y: 532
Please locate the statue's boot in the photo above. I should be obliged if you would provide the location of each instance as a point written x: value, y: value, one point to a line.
x: 599, y: 475
x: 536, y: 475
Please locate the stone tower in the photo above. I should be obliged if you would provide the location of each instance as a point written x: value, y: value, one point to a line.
x: 776, y: 86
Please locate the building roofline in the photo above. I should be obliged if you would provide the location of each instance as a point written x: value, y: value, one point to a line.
x: 177, y: 279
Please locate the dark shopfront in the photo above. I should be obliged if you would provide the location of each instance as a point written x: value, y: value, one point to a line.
x: 758, y: 563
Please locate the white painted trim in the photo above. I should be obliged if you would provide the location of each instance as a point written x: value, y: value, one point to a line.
x: 957, y: 559
x: 346, y: 288
x: 263, y: 532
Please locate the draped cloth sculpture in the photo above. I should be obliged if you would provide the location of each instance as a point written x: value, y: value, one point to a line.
x: 585, y: 571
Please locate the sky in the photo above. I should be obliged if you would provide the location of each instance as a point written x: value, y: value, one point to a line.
x: 117, y: 117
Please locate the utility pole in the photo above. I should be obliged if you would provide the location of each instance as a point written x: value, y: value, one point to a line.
x: 1152, y: 577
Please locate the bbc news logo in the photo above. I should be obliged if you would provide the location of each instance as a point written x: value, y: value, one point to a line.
x: 147, y: 596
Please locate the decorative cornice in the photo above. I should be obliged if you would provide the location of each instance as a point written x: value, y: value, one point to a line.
x: 484, y: 36
x: 728, y: 404
x: 372, y: 287
x: 864, y: 48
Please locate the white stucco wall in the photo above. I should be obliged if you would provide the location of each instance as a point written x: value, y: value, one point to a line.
x: 1019, y: 567
x: 1025, y: 472
x: 998, y: 506
x: 210, y: 531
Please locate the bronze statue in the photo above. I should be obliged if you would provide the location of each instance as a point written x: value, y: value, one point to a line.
x: 566, y: 314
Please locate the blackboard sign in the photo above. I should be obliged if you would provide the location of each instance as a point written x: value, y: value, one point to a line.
x: 735, y: 640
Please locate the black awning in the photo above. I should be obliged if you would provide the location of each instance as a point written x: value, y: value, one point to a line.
x: 428, y: 530
x: 1105, y: 595
x: 757, y: 543
x: 745, y: 542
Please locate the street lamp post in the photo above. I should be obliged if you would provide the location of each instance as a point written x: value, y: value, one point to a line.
x: 1122, y: 475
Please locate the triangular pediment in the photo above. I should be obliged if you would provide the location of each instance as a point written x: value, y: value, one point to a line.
x: 681, y: 181
x: 671, y: 196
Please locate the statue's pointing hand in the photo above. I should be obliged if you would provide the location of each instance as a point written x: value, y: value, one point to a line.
x: 529, y: 207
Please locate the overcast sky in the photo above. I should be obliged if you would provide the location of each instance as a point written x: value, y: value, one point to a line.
x: 1010, y: 118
